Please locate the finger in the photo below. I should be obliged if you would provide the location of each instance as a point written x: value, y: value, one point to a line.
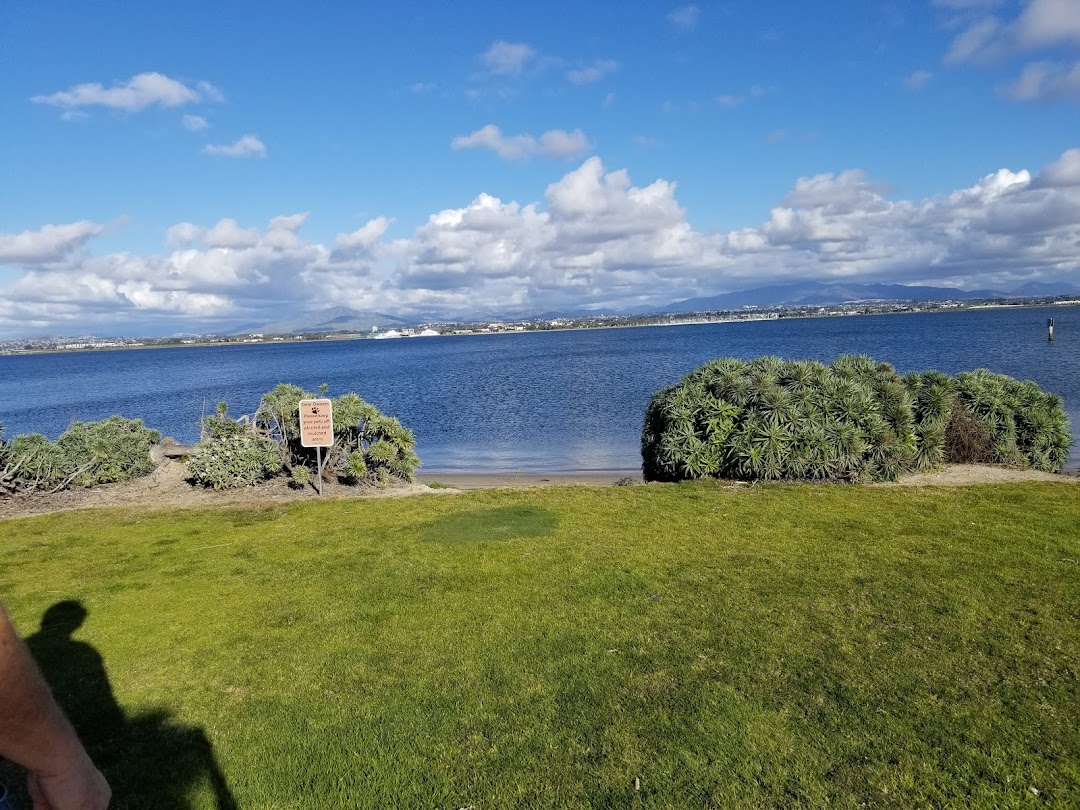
x: 37, y: 795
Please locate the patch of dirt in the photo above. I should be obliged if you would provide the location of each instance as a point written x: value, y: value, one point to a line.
x: 962, y: 475
x: 168, y: 486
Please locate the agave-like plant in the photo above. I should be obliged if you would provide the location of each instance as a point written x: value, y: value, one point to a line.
x: 776, y: 405
x: 766, y: 364
x: 751, y: 460
x: 797, y: 375
x: 855, y: 367
x: 929, y: 447
x: 933, y: 394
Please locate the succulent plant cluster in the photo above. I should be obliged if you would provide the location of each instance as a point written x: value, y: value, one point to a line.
x: 854, y: 420
x: 87, y: 453
x: 368, y: 445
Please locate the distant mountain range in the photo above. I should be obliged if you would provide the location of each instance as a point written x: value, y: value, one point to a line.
x: 810, y: 293
x: 334, y: 319
x: 818, y: 293
x: 1037, y: 289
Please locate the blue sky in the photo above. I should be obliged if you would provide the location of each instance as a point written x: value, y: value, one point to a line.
x: 190, y: 166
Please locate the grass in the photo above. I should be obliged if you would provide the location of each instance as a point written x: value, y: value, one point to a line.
x: 655, y: 647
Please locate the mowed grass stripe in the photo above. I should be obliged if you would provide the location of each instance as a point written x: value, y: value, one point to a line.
x: 660, y: 646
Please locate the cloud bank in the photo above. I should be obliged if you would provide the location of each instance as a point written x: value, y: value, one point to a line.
x: 596, y: 239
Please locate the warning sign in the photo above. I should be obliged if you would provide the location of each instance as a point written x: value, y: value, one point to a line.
x: 316, y: 423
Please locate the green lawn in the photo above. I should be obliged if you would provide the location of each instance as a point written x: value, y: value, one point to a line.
x: 661, y: 646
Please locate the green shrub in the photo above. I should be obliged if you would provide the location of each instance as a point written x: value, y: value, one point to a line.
x: 1023, y: 425
x: 34, y: 463
x: 279, y: 413
x: 114, y: 449
x: 771, y: 419
x: 220, y: 426
x: 933, y: 399
x: 235, y: 461
x: 368, y: 445
x: 856, y: 420
x: 88, y: 453
x: 299, y: 477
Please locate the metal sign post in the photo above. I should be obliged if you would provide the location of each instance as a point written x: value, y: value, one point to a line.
x: 317, y: 429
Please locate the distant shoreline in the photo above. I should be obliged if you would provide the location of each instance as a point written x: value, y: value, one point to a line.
x: 688, y: 321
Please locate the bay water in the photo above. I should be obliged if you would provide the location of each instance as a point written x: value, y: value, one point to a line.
x: 529, y: 402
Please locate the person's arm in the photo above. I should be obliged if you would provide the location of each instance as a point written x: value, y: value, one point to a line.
x: 35, y: 734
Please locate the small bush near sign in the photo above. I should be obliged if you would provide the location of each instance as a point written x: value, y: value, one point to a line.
x: 367, y: 446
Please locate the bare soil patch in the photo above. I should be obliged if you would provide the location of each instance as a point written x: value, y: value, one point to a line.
x: 168, y: 487
x: 962, y: 475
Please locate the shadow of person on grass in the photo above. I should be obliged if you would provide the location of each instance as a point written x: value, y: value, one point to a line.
x: 149, y: 760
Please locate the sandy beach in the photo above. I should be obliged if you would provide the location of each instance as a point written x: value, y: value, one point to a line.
x: 459, y: 480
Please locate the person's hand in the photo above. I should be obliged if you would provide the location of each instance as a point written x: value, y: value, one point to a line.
x: 79, y: 786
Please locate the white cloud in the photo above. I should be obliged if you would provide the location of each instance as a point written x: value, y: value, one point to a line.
x: 507, y: 58
x: 1062, y: 173
x: 246, y: 146
x: 558, y: 143
x: 593, y: 238
x: 140, y: 91
x: 209, y: 92
x: 141, y: 295
x: 51, y: 243
x: 238, y: 270
x: 283, y: 233
x: 183, y: 234
x: 685, y: 18
x: 918, y: 79
x: 592, y: 73
x: 555, y: 143
x: 979, y: 42
x: 1041, y: 36
x: 1045, y: 81
x: 731, y: 100
x: 227, y: 233
x: 194, y: 123
x: 361, y: 241
x: 1045, y: 23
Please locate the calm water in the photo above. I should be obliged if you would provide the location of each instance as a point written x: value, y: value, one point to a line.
x: 532, y: 402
